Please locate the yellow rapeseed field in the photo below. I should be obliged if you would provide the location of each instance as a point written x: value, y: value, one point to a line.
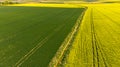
x: 97, y: 43
x: 48, y: 5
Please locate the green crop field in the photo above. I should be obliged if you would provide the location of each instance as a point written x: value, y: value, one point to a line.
x: 30, y: 36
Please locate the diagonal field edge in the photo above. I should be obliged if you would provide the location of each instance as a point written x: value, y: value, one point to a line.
x: 57, y: 59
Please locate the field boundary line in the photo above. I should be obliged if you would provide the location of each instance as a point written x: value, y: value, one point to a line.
x: 56, y: 60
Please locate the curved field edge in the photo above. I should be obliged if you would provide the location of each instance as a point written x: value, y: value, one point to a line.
x: 60, y: 55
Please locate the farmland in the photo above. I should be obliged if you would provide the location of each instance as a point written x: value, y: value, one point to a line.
x: 97, y: 43
x: 60, y: 35
x: 30, y: 36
